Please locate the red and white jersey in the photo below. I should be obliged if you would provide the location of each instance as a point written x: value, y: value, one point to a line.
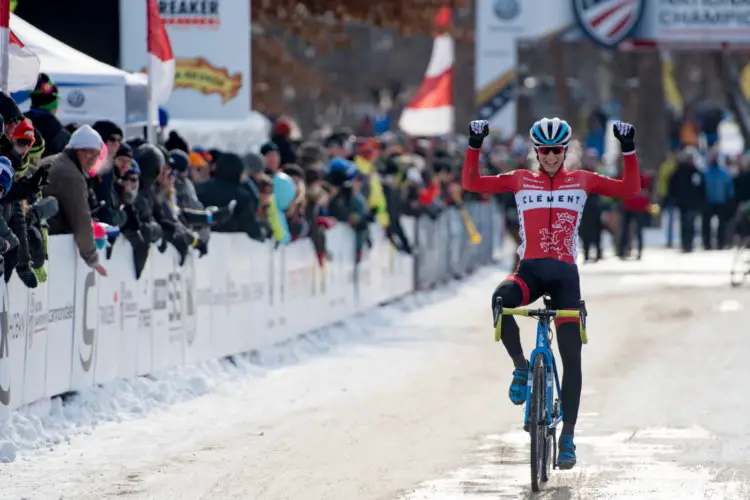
x: 550, y: 207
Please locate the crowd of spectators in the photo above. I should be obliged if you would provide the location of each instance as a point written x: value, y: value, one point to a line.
x: 92, y: 182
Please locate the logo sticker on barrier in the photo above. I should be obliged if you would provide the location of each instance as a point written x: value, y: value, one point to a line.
x: 5, y: 371
x: 187, y: 302
x: 89, y: 334
x: 608, y: 22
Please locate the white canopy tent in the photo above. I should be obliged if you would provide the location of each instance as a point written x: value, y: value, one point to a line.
x: 89, y: 89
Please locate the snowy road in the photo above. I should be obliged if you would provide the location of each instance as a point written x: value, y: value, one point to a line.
x: 417, y: 408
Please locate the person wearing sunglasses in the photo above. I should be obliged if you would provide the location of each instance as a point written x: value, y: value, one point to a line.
x: 28, y: 183
x: 550, y: 202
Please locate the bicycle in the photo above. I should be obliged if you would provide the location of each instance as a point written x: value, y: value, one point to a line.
x: 543, y: 412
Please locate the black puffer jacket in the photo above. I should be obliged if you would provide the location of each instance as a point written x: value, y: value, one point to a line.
x: 54, y: 135
x: 224, y: 187
x: 155, y: 224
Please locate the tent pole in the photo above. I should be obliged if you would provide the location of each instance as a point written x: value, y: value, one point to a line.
x: 153, y: 107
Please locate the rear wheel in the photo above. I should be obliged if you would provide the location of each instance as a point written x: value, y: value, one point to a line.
x: 740, y: 263
x: 538, y: 424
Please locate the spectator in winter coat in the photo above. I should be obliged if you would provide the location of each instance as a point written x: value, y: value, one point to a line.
x: 742, y: 181
x: 184, y: 188
x: 190, y: 210
x: 179, y: 235
x: 135, y: 229
x: 635, y: 211
x: 12, y: 116
x: 44, y: 104
x: 68, y: 182
x: 687, y: 191
x: 394, y: 204
x: 266, y: 213
x: 103, y: 182
x: 347, y: 204
x: 26, y: 190
x: 271, y: 158
x: 719, y: 197
x: 200, y: 171
x: 281, y: 136
x: 158, y: 225
x: 35, y: 207
x: 228, y: 184
x: 8, y: 240
x: 296, y: 213
x: 315, y: 213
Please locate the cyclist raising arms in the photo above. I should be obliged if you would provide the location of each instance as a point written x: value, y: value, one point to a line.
x: 550, y: 203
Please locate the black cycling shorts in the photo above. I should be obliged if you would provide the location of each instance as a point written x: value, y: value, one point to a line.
x: 558, y: 279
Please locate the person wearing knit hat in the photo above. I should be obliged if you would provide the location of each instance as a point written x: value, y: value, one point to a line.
x: 111, y: 134
x: 45, y: 94
x: 254, y: 163
x: 45, y: 100
x: 68, y: 181
x: 7, y: 174
x: 199, y: 170
x: 179, y: 160
x: 123, y: 159
x: 271, y: 157
x: 23, y: 138
x: 184, y: 188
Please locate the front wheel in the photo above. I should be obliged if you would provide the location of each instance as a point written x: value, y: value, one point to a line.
x: 538, y: 424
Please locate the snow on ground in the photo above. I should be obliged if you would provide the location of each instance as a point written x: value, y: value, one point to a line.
x: 49, y: 422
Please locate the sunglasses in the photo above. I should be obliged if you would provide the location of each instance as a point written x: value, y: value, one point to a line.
x: 114, y: 138
x: 132, y: 180
x: 545, y: 150
x: 23, y: 142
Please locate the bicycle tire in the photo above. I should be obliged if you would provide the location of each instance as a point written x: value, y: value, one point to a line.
x: 740, y: 267
x: 538, y: 423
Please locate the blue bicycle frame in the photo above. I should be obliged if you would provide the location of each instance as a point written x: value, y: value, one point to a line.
x: 543, y: 337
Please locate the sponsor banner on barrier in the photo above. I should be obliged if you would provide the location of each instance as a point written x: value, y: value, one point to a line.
x: 80, y: 329
x: 211, y: 45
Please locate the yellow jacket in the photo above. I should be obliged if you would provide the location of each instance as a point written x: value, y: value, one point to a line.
x: 273, y: 220
x: 665, y: 173
x: 376, y: 200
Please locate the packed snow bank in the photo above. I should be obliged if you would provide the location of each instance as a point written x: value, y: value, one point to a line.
x: 49, y: 422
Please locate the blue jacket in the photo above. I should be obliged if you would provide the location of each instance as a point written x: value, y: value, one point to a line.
x: 719, y: 185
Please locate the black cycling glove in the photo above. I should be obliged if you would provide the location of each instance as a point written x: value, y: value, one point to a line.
x: 478, y: 130
x: 625, y: 133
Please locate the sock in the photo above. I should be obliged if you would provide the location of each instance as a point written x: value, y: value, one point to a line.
x: 567, y: 429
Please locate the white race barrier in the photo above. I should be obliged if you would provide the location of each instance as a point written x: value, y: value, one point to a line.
x: 79, y: 329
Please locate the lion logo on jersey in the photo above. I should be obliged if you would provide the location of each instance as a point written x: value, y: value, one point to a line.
x: 561, y: 239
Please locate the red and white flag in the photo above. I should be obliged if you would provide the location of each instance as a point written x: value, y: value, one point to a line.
x: 430, y: 111
x: 161, y: 69
x: 20, y: 69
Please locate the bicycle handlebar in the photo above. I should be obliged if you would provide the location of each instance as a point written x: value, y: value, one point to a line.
x: 543, y: 314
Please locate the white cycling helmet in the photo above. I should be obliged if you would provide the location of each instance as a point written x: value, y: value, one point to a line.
x: 550, y: 132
